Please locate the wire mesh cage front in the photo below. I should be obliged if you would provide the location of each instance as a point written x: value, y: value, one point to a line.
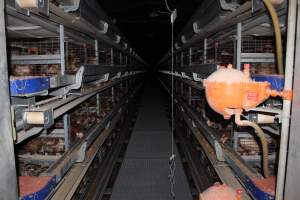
x: 24, y: 54
x: 220, y: 53
x: 263, y: 47
x: 34, y: 46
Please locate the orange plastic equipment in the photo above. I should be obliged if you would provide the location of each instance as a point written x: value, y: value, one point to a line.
x: 229, y: 91
x: 221, y: 192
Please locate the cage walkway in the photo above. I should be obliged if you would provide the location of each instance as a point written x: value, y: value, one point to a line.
x: 145, y: 168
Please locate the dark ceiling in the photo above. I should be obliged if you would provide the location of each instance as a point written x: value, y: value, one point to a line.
x: 146, y: 25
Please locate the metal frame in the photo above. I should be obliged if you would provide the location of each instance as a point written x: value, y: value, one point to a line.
x: 62, y: 106
x: 8, y: 184
x: 231, y: 27
x: 289, y: 159
x: 67, y: 27
x: 93, y: 142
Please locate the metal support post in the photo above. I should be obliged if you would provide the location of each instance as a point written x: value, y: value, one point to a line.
x: 238, y: 45
x: 111, y: 56
x: 97, y: 52
x: 190, y: 95
x: 120, y: 58
x: 112, y: 94
x: 98, y: 104
x: 67, y: 53
x: 235, y: 140
x: 62, y: 49
x: 288, y: 188
x: 205, y: 51
x: 8, y: 177
x: 62, y: 72
x: 190, y: 56
x: 66, y: 120
x: 85, y: 53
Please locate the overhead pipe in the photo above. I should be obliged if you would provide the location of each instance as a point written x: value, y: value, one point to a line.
x: 288, y: 85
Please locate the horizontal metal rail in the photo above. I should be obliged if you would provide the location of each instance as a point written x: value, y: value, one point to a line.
x: 93, y: 141
x: 62, y: 106
x: 104, y: 172
x: 225, y: 26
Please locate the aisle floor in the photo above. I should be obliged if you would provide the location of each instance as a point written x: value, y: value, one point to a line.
x: 145, y: 168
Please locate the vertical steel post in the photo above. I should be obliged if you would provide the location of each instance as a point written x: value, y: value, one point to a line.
x: 293, y: 161
x: 66, y: 120
x: 238, y: 45
x: 120, y: 58
x: 97, y: 52
x: 294, y: 158
x: 67, y: 54
x: 111, y: 56
x: 112, y: 94
x: 98, y: 104
x: 205, y: 51
x: 85, y: 53
x: 235, y: 140
x: 8, y: 179
x: 190, y: 95
x: 190, y: 56
x: 62, y: 72
x: 62, y: 49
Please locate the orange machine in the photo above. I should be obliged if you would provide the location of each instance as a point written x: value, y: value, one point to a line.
x: 229, y: 91
x: 221, y: 192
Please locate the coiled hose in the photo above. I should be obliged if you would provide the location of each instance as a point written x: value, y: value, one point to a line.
x: 275, y: 20
x: 262, y: 137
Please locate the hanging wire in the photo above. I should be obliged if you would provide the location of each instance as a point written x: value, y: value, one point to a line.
x: 172, y: 162
x: 168, y: 7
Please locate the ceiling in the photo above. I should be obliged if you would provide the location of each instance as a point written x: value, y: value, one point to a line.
x: 146, y: 24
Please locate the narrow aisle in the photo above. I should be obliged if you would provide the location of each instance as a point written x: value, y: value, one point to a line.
x: 144, y: 171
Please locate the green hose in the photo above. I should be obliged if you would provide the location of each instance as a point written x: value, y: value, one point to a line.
x: 277, y: 31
